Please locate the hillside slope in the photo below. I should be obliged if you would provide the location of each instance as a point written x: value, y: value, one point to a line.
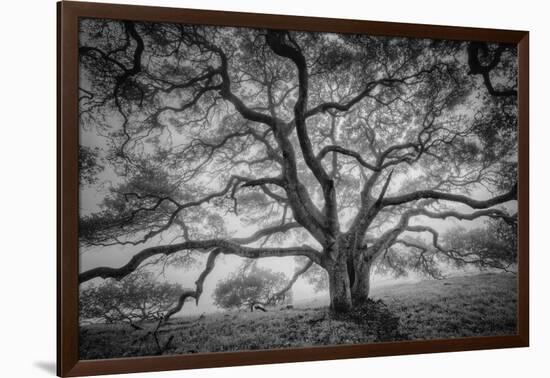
x: 480, y: 305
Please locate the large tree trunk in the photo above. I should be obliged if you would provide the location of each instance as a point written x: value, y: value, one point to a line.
x: 339, y: 286
x: 349, y: 281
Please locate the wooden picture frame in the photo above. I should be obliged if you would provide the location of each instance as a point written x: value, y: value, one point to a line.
x: 68, y: 362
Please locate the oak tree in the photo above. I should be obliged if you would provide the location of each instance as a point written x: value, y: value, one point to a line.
x: 339, y: 149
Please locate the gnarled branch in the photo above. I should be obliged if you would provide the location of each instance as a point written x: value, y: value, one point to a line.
x: 228, y: 247
x: 432, y: 194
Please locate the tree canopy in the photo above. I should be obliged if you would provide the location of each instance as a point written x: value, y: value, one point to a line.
x: 340, y: 149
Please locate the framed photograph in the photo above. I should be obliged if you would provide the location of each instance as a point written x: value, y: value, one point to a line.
x: 240, y: 188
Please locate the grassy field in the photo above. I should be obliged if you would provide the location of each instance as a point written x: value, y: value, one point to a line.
x: 479, y: 305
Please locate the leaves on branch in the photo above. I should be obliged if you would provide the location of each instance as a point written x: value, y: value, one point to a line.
x: 89, y: 165
x: 493, y: 246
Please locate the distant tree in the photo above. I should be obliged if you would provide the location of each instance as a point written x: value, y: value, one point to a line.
x: 135, y: 299
x: 255, y: 286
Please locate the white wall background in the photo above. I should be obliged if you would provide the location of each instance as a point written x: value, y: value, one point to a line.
x: 27, y: 200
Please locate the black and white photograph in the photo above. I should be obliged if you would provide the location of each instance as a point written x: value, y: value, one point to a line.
x: 256, y: 189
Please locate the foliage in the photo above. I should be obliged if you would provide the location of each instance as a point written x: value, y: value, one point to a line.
x: 494, y: 246
x: 137, y: 298
x: 89, y: 165
x: 400, y: 262
x: 490, y: 246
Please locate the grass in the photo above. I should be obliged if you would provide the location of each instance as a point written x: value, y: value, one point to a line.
x: 481, y: 305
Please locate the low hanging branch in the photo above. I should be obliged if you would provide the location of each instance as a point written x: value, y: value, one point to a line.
x: 188, y: 293
x: 388, y: 238
x: 198, y: 286
x: 459, y: 256
x: 228, y: 247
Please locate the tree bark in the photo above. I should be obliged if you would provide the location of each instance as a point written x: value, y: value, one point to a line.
x: 349, y: 279
x: 339, y: 286
x: 361, y: 285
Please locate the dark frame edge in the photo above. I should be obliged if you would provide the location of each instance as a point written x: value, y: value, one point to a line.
x: 290, y: 22
x: 325, y: 353
x: 523, y: 189
x: 68, y: 363
x: 67, y: 189
x: 59, y: 308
